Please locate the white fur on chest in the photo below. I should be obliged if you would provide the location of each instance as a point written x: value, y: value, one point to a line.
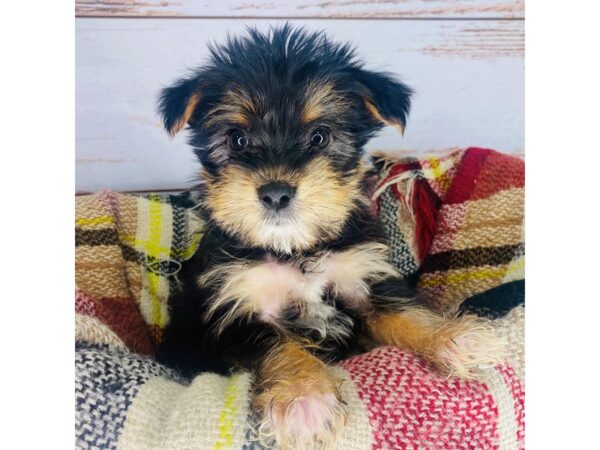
x: 265, y: 289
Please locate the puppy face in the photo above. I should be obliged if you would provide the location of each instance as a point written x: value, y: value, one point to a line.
x: 279, y: 122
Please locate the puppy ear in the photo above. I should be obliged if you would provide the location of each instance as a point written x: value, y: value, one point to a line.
x: 178, y: 103
x: 386, y: 99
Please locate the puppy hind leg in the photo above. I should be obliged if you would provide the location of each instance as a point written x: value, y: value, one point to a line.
x: 457, y: 346
x: 298, y: 400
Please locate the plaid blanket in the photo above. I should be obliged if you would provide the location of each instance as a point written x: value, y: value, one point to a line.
x: 462, y: 246
x: 128, y: 252
x: 455, y: 226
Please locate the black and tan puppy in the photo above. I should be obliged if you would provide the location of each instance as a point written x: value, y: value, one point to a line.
x: 293, y: 267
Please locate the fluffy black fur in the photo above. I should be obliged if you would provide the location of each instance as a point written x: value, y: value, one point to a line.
x: 275, y: 69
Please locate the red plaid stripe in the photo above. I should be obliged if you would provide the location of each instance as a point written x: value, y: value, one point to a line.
x: 412, y: 407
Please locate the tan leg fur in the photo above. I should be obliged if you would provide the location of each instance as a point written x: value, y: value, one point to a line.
x: 457, y: 346
x: 298, y: 400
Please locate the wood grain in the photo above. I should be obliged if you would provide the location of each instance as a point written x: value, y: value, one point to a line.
x: 304, y: 8
x: 468, y: 77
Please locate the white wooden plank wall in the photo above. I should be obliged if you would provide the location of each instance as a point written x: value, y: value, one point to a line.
x: 464, y: 58
x: 305, y: 8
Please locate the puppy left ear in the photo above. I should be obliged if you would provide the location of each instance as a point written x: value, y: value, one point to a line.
x: 178, y: 103
x: 386, y: 99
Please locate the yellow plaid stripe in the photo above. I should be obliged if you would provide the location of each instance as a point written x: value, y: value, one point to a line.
x: 438, y: 174
x: 143, y: 244
x: 147, y: 233
x: 459, y: 277
x: 81, y: 222
x: 154, y: 249
x: 225, y: 425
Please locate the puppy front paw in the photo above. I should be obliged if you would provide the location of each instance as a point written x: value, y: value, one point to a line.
x: 293, y: 418
x: 468, y: 345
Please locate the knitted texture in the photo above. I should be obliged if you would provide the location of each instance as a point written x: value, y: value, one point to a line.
x: 130, y: 248
x: 455, y: 223
x: 394, y: 400
x: 128, y: 252
x: 412, y: 407
x: 106, y: 381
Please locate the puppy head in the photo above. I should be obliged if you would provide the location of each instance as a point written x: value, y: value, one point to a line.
x: 279, y: 122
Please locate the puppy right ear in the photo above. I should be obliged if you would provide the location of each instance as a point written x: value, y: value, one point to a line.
x: 178, y: 104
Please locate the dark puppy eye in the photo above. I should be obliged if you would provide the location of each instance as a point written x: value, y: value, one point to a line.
x: 238, y: 140
x: 319, y: 138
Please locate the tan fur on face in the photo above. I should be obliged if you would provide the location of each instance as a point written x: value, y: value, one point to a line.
x: 375, y: 113
x: 323, y: 99
x: 457, y: 346
x: 318, y: 211
x: 187, y: 115
x: 235, y: 107
x: 298, y: 400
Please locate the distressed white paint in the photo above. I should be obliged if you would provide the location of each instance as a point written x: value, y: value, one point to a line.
x: 303, y: 8
x: 468, y: 77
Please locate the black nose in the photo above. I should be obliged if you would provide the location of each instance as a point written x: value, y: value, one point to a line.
x: 276, y: 195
